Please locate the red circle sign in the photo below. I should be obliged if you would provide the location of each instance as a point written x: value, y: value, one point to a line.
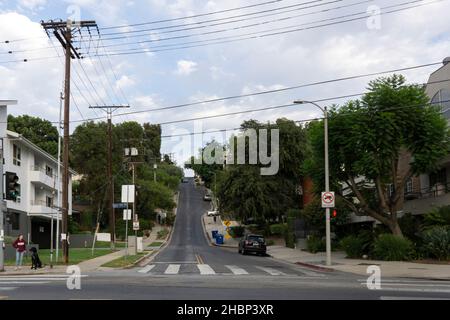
x: 328, y: 197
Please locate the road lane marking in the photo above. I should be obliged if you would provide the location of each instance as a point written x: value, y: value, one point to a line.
x: 24, y: 282
x: 415, y: 290
x: 205, y: 269
x: 173, y: 269
x: 237, y: 270
x: 411, y: 298
x: 147, y: 269
x: 272, y: 272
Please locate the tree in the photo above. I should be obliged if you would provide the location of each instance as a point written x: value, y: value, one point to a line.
x: 248, y: 194
x: 39, y: 131
x: 376, y: 144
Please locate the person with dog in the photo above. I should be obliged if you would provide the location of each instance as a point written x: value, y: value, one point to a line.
x: 20, y: 247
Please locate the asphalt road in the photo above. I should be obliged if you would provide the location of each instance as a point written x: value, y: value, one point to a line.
x: 189, y: 269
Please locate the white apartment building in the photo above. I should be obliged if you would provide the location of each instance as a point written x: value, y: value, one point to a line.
x: 37, y: 170
x: 433, y: 189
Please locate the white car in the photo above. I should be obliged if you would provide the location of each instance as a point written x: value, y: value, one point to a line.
x: 212, y: 213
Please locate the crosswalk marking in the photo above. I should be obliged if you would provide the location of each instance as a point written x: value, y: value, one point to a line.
x: 147, y: 269
x: 237, y: 270
x: 173, y: 269
x: 205, y: 269
x: 272, y: 272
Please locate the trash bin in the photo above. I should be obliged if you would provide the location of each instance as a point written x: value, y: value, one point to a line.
x: 214, y: 233
x: 219, y: 239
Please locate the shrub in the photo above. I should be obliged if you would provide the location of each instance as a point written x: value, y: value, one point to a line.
x: 389, y: 247
x: 289, y: 238
x: 437, y: 217
x: 437, y: 243
x: 277, y: 229
x: 170, y: 219
x: 270, y: 242
x: 315, y: 244
x: 353, y: 246
x: 237, y: 232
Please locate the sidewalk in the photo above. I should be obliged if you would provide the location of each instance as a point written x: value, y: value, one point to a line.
x: 359, y: 266
x: 96, y: 263
x: 209, y: 225
x: 85, y: 266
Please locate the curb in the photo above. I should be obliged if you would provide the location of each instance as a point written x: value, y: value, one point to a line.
x: 139, y: 260
x: 315, y: 267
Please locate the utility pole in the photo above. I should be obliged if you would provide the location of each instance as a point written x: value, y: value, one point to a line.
x: 63, y: 32
x: 132, y: 152
x: 112, y: 219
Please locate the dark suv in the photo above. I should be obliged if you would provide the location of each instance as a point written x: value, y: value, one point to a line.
x: 253, y: 243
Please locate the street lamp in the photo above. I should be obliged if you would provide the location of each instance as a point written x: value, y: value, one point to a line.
x: 327, y: 177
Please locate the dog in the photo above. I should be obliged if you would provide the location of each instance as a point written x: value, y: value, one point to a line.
x: 35, y: 261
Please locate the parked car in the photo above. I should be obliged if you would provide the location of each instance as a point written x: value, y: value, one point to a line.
x: 207, y: 197
x: 184, y: 180
x: 213, y: 213
x: 253, y: 243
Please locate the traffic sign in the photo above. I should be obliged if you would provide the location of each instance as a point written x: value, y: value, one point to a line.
x: 127, y: 214
x: 328, y: 199
x: 136, y: 225
x: 119, y: 205
x: 128, y: 193
x: 227, y: 223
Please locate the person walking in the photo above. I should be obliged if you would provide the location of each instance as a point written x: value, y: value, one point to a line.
x: 20, y: 247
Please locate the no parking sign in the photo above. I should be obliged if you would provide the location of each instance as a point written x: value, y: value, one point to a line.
x: 328, y: 199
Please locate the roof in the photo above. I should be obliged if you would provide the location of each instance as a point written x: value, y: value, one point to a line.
x: 8, y: 102
x: 31, y: 145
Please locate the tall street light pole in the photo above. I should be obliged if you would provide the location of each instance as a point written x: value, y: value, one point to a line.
x: 327, y: 177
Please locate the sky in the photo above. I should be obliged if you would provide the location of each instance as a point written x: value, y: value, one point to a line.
x: 320, y: 46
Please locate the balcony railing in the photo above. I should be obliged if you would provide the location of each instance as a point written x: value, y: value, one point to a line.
x: 43, y: 170
x: 437, y: 190
x: 41, y: 203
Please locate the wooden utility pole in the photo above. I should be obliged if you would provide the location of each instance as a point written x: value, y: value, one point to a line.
x: 112, y: 219
x: 63, y: 32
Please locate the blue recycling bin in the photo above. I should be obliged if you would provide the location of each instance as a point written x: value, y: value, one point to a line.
x: 214, y: 233
x: 219, y: 239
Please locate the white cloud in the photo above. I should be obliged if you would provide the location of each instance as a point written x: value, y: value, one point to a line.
x: 124, y: 82
x: 186, y: 67
x: 32, y: 4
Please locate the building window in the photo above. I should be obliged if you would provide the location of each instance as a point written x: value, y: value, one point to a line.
x: 49, y: 171
x: 16, y: 155
x: 49, y: 202
x: 442, y: 98
x: 409, y: 186
x: 390, y: 189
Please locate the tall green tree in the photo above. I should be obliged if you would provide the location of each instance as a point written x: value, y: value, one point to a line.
x: 243, y: 190
x: 39, y: 131
x: 376, y: 144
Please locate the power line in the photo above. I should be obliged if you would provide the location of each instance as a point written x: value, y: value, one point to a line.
x: 247, y: 36
x: 304, y: 120
x: 156, y: 34
x: 185, y: 27
x: 255, y: 35
x: 191, y: 16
